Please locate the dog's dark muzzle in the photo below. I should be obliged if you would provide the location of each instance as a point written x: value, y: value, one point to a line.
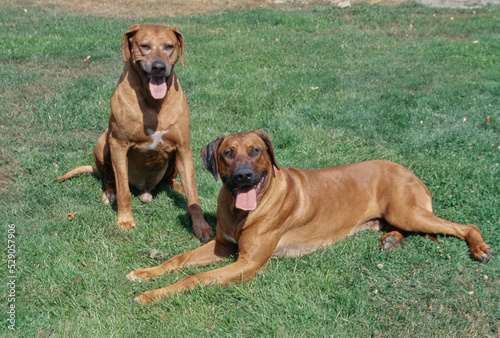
x: 156, y: 74
x: 159, y: 68
x: 242, y: 177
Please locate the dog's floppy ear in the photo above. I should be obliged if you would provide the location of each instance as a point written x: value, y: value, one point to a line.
x: 126, y: 47
x: 209, y: 156
x: 269, y: 146
x: 181, y: 40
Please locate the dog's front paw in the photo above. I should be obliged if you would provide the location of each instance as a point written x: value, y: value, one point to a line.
x: 135, y: 278
x: 138, y: 276
x: 127, y: 224
x: 144, y: 299
x: 203, y: 231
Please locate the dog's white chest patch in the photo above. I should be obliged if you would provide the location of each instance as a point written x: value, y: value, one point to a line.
x: 156, y: 138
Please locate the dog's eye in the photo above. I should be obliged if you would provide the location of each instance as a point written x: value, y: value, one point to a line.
x: 228, y: 154
x: 145, y: 47
x: 168, y: 47
x: 255, y: 151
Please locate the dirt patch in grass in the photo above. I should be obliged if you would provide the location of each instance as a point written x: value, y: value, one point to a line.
x: 146, y: 8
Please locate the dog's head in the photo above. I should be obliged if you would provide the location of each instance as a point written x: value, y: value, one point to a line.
x: 154, y: 50
x: 243, y: 162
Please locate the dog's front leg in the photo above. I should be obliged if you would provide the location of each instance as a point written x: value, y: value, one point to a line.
x: 119, y: 162
x: 253, y: 256
x: 236, y: 272
x: 185, y: 168
x: 212, y: 252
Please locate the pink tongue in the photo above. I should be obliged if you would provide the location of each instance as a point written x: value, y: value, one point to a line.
x: 157, y: 87
x: 246, y: 199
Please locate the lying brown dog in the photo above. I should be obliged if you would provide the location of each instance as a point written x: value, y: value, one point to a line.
x: 265, y: 211
x: 148, y: 137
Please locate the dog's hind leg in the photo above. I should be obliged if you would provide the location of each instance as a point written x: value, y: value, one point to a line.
x: 418, y: 219
x: 109, y: 195
x: 390, y: 240
x: 102, y: 160
x: 170, y: 176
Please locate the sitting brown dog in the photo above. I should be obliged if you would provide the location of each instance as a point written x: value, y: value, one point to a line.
x: 265, y: 211
x: 148, y: 137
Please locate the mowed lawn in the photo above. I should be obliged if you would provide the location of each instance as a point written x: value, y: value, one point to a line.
x: 415, y: 85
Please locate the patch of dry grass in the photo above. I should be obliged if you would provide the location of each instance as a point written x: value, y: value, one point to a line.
x: 146, y: 8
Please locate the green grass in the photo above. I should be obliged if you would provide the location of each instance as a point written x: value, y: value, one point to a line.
x: 329, y: 86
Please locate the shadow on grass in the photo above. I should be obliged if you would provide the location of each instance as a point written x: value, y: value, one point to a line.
x: 178, y: 199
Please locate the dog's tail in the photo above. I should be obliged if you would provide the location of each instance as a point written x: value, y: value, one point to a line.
x: 79, y: 170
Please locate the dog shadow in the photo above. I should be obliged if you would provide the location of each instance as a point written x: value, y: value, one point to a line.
x: 179, y: 201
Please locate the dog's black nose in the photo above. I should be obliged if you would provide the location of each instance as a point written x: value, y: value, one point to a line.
x: 158, y: 67
x: 243, y: 176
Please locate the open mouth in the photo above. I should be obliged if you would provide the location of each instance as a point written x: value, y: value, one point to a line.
x: 246, y: 196
x: 157, y: 84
